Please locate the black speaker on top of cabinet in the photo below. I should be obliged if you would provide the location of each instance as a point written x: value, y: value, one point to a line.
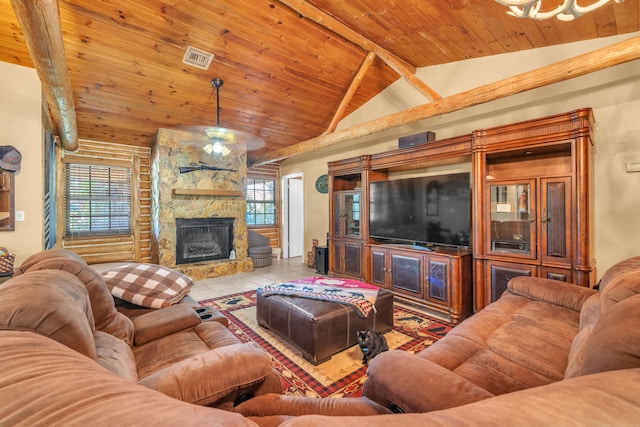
x: 322, y: 260
x: 417, y: 139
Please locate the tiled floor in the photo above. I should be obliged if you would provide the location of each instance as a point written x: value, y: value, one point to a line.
x: 285, y: 269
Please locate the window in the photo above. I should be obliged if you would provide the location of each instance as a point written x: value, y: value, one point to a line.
x: 98, y: 200
x: 261, y: 201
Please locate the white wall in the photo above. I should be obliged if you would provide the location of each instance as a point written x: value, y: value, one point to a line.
x: 21, y: 124
x: 614, y: 95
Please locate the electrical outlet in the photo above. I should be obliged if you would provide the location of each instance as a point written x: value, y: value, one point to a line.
x: 19, y: 215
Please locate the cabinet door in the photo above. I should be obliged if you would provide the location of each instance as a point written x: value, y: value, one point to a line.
x: 511, y: 214
x: 336, y: 256
x: 500, y: 274
x: 555, y: 214
x: 337, y: 214
x: 379, y: 268
x: 351, y: 214
x: 437, y: 280
x: 405, y: 274
x: 353, y: 258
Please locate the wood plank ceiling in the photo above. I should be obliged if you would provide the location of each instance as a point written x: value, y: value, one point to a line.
x: 291, y: 68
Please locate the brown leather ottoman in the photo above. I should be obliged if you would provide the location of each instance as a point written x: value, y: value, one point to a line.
x: 319, y: 329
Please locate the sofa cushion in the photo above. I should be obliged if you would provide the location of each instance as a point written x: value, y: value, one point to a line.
x: 590, y: 311
x: 148, y: 285
x: 52, y: 303
x: 615, y: 341
x: 162, y: 353
x: 43, y: 255
x: 512, y: 344
x: 209, y: 376
x: 107, y: 318
x: 589, y: 315
x: 116, y: 356
x: 576, y: 354
x: 620, y: 287
x: 624, y: 266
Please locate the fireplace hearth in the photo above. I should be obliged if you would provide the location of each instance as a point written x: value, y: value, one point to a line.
x: 203, y: 239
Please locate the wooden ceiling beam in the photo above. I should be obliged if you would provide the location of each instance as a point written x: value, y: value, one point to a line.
x: 40, y: 22
x: 567, y: 69
x: 368, y: 60
x: 400, y: 66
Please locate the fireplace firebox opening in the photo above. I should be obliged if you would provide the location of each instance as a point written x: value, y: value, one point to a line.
x: 203, y: 239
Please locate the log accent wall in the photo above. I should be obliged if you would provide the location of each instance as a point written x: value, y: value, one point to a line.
x: 135, y: 247
x: 270, y: 171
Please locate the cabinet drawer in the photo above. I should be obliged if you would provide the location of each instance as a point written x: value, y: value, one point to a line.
x: 499, y: 275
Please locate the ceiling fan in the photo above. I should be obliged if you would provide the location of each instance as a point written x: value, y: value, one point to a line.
x: 219, y: 139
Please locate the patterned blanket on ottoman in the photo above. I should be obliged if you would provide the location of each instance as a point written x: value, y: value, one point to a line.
x: 361, y: 296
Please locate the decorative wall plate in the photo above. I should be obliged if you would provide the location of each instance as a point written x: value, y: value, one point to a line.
x: 322, y: 184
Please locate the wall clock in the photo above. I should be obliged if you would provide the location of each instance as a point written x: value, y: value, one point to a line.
x: 322, y: 184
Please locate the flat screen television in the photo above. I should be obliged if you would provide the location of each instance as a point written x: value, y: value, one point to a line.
x: 430, y: 210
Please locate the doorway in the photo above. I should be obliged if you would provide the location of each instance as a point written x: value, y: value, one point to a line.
x: 292, y: 216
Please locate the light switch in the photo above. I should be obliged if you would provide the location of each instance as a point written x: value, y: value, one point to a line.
x: 633, y: 166
x: 19, y: 215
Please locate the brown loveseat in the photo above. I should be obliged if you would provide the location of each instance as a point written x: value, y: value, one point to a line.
x: 537, y: 333
x: 170, y: 349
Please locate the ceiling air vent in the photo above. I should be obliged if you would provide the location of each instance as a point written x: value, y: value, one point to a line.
x: 197, y: 57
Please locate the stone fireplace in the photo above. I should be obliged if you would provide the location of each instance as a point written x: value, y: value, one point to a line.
x: 196, y: 197
x: 203, y: 239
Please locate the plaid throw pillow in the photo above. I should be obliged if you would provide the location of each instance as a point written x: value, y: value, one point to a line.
x: 148, y: 285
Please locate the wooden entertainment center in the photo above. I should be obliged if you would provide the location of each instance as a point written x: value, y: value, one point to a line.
x: 531, y: 214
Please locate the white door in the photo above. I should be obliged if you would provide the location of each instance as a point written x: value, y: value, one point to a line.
x: 293, y: 216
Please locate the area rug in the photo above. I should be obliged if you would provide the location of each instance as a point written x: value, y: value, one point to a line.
x: 344, y: 374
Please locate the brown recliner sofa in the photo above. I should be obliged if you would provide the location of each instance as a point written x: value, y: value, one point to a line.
x: 537, y: 333
x: 170, y: 349
x: 45, y: 382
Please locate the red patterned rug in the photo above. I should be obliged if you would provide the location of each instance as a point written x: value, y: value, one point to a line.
x: 344, y: 374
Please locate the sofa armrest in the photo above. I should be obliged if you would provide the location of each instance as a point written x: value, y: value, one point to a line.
x: 413, y: 384
x: 163, y: 322
x: 554, y: 292
x: 271, y: 404
x: 207, y: 377
x: 610, y: 398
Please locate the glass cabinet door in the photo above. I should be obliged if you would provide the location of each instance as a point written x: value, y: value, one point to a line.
x: 352, y: 214
x: 511, y: 218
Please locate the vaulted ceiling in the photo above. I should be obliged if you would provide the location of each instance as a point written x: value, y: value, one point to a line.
x: 291, y: 68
